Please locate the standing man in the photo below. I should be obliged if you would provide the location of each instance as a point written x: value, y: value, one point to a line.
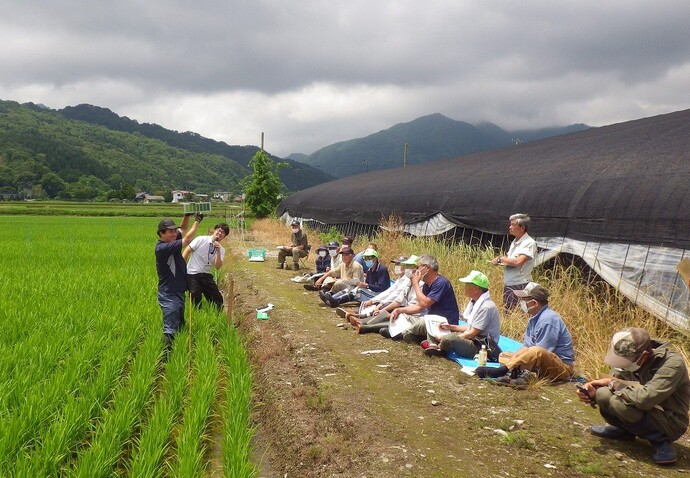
x: 203, y: 253
x: 436, y: 295
x: 519, y: 261
x: 647, y: 397
x: 297, y: 247
x: 172, y: 273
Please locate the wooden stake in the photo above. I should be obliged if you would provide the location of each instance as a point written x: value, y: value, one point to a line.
x: 230, y: 295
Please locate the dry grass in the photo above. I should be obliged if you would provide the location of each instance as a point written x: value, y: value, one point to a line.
x: 592, y: 312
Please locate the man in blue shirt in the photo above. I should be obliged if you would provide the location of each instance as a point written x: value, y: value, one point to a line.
x: 547, y: 349
x: 172, y: 273
x: 377, y: 277
x: 436, y: 295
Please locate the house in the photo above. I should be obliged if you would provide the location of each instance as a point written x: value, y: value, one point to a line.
x: 149, y: 198
x: 220, y: 196
x: 181, y: 196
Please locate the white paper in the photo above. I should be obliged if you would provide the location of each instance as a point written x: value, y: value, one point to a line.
x: 432, y: 325
x: 399, y: 325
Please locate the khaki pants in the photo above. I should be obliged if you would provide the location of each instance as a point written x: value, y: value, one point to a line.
x: 545, y: 364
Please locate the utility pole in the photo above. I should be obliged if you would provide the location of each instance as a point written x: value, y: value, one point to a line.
x: 262, y: 141
x: 405, y: 156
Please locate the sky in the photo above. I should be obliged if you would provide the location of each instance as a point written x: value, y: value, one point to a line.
x: 310, y: 73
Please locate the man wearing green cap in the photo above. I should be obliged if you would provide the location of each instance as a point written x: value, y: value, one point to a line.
x: 377, y: 278
x: 481, y: 315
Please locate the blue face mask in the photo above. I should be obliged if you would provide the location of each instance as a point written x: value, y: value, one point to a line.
x: 369, y: 264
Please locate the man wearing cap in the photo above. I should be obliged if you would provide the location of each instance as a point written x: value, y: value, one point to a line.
x: 348, y: 274
x: 436, y: 295
x: 359, y: 257
x: 172, y: 273
x: 333, y: 250
x: 648, y: 395
x: 481, y: 315
x: 519, y: 261
x: 204, y: 253
x: 297, y: 248
x: 547, y: 349
x: 376, y: 279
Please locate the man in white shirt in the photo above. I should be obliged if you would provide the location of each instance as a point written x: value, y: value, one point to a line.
x: 519, y: 261
x: 203, y: 253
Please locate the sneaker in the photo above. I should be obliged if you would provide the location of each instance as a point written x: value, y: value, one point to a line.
x: 663, y: 453
x: 611, y: 432
x: 491, y: 372
x: 434, y: 351
x: 425, y: 344
x: 341, y: 312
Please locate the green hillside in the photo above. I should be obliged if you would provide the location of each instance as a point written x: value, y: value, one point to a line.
x: 295, y: 176
x: 43, y: 154
x: 429, y: 138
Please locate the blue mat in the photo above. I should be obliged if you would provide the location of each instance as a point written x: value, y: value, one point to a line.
x: 507, y: 345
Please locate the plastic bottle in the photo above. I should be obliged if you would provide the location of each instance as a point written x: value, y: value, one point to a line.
x: 482, y: 356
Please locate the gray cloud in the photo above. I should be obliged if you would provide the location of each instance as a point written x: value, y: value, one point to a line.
x: 310, y: 73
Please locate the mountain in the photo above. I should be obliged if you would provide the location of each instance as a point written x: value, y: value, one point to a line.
x: 296, y: 176
x: 429, y: 138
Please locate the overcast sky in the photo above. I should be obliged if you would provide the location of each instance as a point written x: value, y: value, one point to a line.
x: 310, y: 73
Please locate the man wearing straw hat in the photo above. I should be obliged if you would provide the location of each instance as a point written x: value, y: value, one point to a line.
x: 648, y: 395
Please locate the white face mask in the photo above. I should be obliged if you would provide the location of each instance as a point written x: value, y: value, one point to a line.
x: 633, y: 367
x: 523, y: 306
x: 398, y: 270
x: 322, y: 253
x: 408, y: 273
x: 295, y: 231
x: 332, y: 252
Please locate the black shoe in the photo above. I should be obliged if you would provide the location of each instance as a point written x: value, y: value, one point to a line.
x: 295, y: 266
x: 385, y: 332
x: 663, y: 453
x: 611, y: 432
x: 434, y: 352
x: 311, y: 287
x: 491, y: 372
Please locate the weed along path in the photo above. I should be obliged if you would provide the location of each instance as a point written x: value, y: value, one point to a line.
x: 324, y: 407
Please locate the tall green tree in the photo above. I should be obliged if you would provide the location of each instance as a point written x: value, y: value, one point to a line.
x: 263, y: 187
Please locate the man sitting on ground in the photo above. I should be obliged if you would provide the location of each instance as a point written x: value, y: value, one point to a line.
x: 436, y: 295
x: 323, y: 260
x: 547, y: 350
x: 348, y: 274
x: 648, y: 395
x: 296, y: 249
x: 359, y: 257
x: 377, y: 277
x: 481, y: 315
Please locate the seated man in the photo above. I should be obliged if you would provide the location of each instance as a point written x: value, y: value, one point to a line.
x: 377, y: 278
x: 359, y: 257
x: 323, y: 260
x: 348, y: 274
x: 436, y: 295
x: 481, y: 315
x: 296, y: 249
x: 547, y: 349
x: 333, y: 249
x: 648, y: 395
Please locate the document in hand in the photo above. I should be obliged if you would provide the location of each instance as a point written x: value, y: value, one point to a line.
x: 399, y: 325
x: 432, y: 325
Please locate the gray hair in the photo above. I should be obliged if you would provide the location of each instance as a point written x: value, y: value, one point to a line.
x: 521, y: 220
x: 429, y: 260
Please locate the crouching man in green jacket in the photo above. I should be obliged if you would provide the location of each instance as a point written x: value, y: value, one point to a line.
x: 647, y: 397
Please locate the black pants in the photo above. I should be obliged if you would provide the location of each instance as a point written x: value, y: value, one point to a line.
x: 203, y: 284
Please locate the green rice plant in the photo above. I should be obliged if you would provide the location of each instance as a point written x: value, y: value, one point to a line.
x: 118, y: 423
x: 71, y: 424
x: 190, y: 446
x: 236, y: 412
x: 152, y: 445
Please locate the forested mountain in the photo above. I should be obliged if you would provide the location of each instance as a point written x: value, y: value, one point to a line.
x: 296, y: 176
x: 429, y: 138
x: 43, y: 153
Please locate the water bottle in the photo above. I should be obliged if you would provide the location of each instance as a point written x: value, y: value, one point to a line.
x: 482, y: 356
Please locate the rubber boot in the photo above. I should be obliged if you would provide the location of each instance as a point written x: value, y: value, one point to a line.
x: 295, y: 266
x: 491, y: 372
x: 372, y: 328
x: 648, y: 430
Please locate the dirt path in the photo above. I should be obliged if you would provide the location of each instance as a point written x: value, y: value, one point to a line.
x: 325, y: 409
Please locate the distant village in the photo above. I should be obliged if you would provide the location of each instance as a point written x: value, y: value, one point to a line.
x: 190, y: 196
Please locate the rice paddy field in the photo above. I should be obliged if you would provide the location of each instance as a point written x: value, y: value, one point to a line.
x: 85, y: 390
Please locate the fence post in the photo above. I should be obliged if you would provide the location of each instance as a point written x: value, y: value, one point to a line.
x: 230, y: 299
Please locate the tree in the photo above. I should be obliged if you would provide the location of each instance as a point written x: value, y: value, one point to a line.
x: 263, y: 187
x: 52, y: 184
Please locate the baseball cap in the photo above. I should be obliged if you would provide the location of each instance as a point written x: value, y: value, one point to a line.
x: 295, y: 222
x: 533, y: 290
x: 370, y: 253
x: 166, y: 224
x: 322, y: 247
x: 626, y: 347
x: 399, y: 260
x: 347, y: 250
x: 410, y: 261
x: 333, y: 245
x: 347, y: 240
x: 477, y: 278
